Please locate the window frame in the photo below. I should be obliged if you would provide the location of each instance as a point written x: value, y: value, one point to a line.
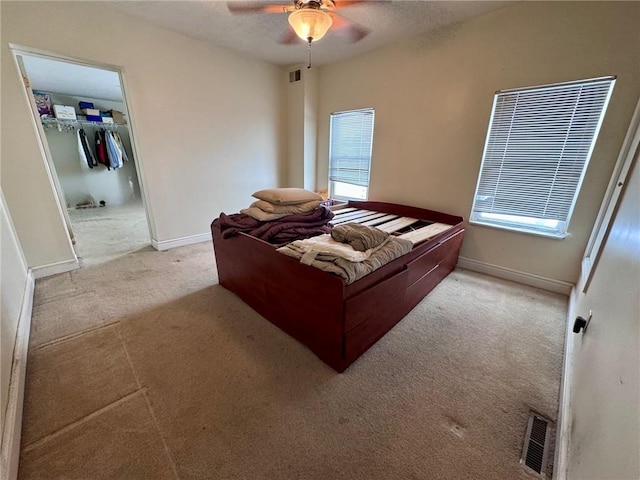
x: 533, y: 224
x: 331, y: 186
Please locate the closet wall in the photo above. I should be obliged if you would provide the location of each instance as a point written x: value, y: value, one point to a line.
x: 79, y: 184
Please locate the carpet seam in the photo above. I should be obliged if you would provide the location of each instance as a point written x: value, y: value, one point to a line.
x: 69, y: 426
x: 71, y: 336
x: 174, y: 467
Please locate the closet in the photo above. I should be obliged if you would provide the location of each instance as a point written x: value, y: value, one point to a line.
x: 83, y: 186
x: 98, y: 181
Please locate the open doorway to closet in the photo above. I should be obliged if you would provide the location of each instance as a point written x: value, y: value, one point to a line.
x: 87, y: 138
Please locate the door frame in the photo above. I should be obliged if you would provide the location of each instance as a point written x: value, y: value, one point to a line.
x: 628, y: 154
x: 18, y: 51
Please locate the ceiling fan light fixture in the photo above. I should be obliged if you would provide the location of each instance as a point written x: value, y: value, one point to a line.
x: 310, y: 23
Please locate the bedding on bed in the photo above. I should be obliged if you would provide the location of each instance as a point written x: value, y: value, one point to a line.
x: 277, y: 231
x: 322, y: 253
x: 269, y: 207
x: 261, y: 215
x: 326, y: 244
x: 360, y: 237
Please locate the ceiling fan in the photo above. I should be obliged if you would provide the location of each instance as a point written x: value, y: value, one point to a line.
x: 310, y: 20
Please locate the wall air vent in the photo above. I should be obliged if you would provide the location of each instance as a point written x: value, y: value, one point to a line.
x: 535, y: 451
x: 294, y: 76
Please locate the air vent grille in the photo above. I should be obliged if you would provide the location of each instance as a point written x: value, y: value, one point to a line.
x: 294, y: 76
x: 536, y: 441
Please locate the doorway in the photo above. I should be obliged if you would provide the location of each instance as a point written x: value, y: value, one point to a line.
x: 85, y: 130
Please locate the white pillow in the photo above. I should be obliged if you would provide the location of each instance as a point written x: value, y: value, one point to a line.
x: 287, y: 196
x: 288, y: 209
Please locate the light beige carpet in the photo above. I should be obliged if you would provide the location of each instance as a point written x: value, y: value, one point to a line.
x: 109, y: 232
x: 145, y: 368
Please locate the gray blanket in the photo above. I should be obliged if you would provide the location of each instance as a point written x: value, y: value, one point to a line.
x: 351, y: 271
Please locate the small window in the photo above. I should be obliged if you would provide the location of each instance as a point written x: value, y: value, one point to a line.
x: 537, y: 150
x: 350, y: 145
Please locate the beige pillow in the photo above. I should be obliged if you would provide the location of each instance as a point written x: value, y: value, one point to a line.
x: 288, y: 209
x: 287, y: 196
x: 261, y: 215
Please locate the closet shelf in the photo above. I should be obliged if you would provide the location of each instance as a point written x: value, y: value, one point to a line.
x: 63, y: 122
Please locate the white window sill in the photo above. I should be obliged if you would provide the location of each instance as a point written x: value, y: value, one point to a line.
x: 554, y: 236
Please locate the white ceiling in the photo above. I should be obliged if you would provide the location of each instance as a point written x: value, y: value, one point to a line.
x: 71, y: 79
x: 257, y: 34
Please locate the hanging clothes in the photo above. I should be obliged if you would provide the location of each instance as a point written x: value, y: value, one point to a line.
x: 118, y: 139
x: 87, y: 157
x: 85, y: 162
x: 101, y: 149
x: 114, y: 153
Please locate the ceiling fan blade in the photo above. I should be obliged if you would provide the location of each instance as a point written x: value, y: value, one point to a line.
x: 258, y: 7
x: 350, y: 3
x: 289, y: 38
x: 348, y: 29
x: 346, y: 3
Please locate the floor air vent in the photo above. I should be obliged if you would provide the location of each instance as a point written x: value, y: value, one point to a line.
x: 536, y: 445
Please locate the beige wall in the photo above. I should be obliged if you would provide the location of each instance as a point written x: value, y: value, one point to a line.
x: 295, y: 128
x: 13, y: 282
x: 301, y: 126
x: 207, y: 120
x: 605, y: 391
x: 311, y: 104
x: 433, y: 97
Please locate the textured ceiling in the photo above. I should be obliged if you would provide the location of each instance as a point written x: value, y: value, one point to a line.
x: 257, y: 34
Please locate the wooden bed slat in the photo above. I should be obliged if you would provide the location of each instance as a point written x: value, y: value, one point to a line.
x: 425, y: 233
x: 350, y: 216
x: 398, y: 224
x: 380, y: 220
x: 342, y: 211
x: 366, y: 218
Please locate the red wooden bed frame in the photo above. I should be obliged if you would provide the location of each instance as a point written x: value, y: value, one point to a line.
x: 338, y: 322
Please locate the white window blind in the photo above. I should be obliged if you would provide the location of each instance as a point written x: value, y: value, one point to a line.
x: 537, y: 149
x: 350, y: 145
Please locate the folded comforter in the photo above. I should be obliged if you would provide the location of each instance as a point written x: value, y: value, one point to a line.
x: 350, y: 271
x: 285, y: 229
x: 326, y: 244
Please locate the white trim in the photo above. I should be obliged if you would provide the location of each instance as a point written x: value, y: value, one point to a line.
x: 563, y: 425
x: 55, y: 268
x: 12, y: 428
x: 43, y: 146
x: 530, y: 279
x: 180, y: 242
x: 628, y: 153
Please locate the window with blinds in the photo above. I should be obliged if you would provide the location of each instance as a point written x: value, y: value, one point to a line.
x: 537, y: 149
x: 350, y: 145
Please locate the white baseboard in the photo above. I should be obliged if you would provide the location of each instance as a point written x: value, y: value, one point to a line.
x: 180, y: 242
x: 563, y: 426
x: 530, y: 279
x: 55, y: 268
x: 12, y: 428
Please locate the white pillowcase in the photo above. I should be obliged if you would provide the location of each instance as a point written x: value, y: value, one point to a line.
x: 287, y: 196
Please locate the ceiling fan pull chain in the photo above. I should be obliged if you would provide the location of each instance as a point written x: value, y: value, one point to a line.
x: 309, y: 51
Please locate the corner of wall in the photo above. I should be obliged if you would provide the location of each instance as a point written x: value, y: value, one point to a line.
x: 12, y: 428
